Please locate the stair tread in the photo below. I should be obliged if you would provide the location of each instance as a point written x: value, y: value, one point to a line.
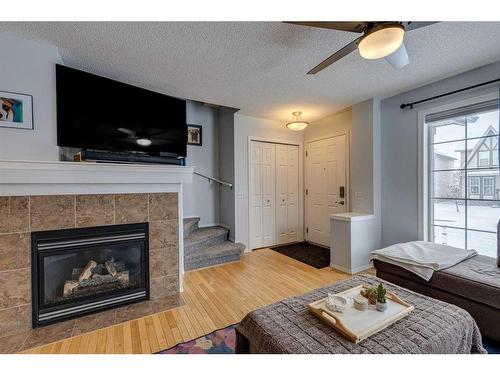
x: 189, y: 220
x: 222, y: 249
x: 202, y: 234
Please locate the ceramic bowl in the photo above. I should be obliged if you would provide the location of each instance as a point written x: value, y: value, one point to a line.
x: 336, y: 303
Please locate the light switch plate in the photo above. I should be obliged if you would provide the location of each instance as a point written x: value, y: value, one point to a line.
x: 358, y: 195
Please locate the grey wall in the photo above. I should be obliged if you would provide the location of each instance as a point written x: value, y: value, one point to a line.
x: 28, y: 67
x: 400, y: 154
x: 226, y: 167
x: 201, y: 198
x: 365, y: 157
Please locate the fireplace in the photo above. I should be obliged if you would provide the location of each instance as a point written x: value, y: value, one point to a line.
x: 79, y: 271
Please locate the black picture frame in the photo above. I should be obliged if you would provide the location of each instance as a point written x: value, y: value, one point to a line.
x: 190, y: 138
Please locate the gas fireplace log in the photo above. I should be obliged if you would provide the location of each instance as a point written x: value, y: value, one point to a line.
x: 87, y: 271
x: 96, y: 284
x: 119, y: 266
x: 69, y: 286
x: 110, y: 266
x: 123, y: 277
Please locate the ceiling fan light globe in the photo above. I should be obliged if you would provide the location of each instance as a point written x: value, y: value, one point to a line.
x: 381, y: 41
x: 144, y: 142
x: 297, y: 125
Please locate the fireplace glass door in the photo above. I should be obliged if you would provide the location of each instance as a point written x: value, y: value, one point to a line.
x: 82, y: 270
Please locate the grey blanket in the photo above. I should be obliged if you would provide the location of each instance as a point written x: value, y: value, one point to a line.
x: 433, y: 327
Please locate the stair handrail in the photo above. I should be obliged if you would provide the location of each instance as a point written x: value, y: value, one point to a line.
x: 210, y: 179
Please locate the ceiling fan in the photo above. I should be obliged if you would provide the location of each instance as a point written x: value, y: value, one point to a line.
x: 378, y: 39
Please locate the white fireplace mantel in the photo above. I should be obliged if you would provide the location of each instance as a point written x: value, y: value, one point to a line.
x: 52, y: 177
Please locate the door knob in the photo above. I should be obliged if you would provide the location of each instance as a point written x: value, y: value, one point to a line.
x: 340, y: 202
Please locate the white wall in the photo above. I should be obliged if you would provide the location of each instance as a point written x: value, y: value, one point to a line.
x: 400, y: 151
x: 245, y: 127
x: 201, y: 198
x: 28, y: 67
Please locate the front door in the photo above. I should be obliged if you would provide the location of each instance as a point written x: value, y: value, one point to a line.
x: 325, y: 186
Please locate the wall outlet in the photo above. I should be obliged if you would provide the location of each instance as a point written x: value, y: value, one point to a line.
x: 358, y: 195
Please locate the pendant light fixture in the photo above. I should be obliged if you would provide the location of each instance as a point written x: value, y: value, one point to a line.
x: 381, y: 41
x: 297, y: 124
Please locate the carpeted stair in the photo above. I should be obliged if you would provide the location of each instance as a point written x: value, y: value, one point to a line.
x: 205, y: 247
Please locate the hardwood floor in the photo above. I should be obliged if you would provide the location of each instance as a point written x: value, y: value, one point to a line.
x: 214, y: 298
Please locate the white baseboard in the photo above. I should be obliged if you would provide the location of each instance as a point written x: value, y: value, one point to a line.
x: 351, y: 271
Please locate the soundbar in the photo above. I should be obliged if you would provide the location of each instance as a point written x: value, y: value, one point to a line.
x: 124, y: 157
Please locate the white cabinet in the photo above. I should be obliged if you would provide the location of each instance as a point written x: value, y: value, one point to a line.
x: 354, y: 236
x: 274, y: 194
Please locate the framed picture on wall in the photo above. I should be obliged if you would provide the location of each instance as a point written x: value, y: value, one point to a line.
x: 16, y: 110
x: 194, y: 135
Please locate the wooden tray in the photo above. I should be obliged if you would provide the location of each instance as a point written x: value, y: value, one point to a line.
x: 357, y: 325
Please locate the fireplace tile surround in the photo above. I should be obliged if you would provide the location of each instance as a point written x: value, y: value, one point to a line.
x: 20, y: 215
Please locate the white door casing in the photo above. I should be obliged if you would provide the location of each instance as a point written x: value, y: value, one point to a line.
x: 326, y: 174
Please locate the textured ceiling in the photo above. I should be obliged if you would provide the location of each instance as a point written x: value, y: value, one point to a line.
x: 260, y: 67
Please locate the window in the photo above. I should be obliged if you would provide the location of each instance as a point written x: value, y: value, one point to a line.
x: 474, y: 184
x: 484, y: 158
x: 488, y: 186
x: 463, y: 173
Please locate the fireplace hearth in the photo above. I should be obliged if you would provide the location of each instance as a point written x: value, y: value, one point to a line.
x: 79, y: 271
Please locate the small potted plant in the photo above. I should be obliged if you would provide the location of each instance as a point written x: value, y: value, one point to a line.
x: 381, y: 302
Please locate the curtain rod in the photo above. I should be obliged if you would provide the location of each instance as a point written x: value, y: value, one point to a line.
x: 405, y: 105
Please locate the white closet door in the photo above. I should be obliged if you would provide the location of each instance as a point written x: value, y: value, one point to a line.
x: 274, y: 175
x: 268, y: 194
x: 293, y: 193
x: 256, y: 198
x: 326, y: 169
x: 282, y: 193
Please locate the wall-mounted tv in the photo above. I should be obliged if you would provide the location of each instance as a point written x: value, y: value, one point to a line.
x: 97, y: 113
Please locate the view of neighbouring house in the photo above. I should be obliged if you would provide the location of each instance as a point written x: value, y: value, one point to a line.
x: 464, y: 199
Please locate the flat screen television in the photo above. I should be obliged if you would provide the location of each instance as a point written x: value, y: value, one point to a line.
x: 97, y: 113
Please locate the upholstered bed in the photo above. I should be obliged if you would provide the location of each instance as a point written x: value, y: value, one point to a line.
x: 288, y: 327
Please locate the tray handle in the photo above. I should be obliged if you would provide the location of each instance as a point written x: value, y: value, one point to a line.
x: 395, y: 298
x: 332, y: 319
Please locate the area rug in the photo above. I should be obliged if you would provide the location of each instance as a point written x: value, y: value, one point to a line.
x: 222, y: 341
x: 315, y: 256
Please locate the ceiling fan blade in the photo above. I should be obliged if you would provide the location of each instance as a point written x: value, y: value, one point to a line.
x: 412, y: 25
x: 344, y: 51
x: 127, y: 131
x: 352, y: 26
x: 398, y: 58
